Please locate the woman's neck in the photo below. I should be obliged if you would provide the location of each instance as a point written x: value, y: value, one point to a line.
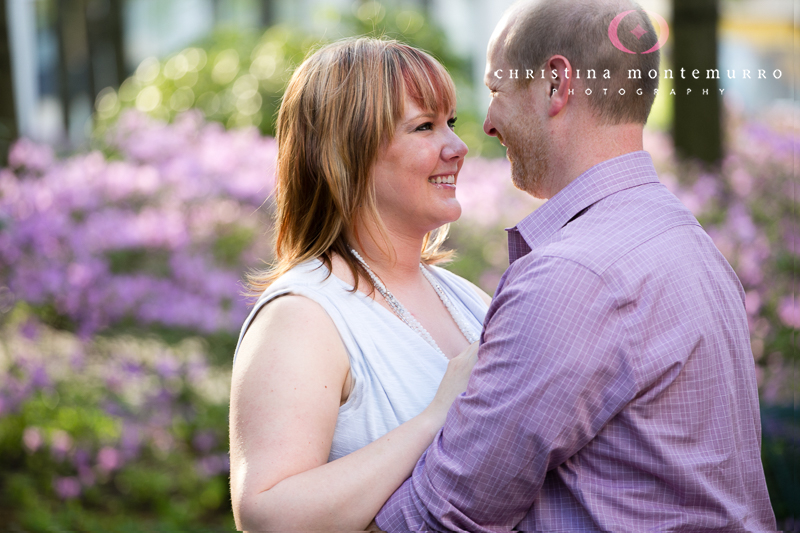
x: 402, y: 266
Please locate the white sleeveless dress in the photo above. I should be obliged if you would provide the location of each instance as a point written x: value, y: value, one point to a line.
x: 396, y: 372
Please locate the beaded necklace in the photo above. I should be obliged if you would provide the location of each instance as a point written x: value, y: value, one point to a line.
x: 407, y: 318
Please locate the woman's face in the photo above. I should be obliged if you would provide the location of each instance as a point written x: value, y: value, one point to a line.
x: 416, y: 173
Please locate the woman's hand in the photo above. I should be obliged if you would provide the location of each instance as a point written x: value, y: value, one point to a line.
x: 454, y: 382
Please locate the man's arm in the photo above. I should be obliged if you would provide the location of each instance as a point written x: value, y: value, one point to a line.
x: 552, y: 370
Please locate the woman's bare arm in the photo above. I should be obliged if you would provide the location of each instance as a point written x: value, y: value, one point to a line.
x: 286, y: 390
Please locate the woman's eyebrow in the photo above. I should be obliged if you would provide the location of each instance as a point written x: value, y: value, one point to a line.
x: 421, y: 115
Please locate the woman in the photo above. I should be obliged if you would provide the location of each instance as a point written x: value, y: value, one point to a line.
x: 342, y: 381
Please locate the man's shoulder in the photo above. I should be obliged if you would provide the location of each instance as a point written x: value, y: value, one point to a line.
x: 620, y: 223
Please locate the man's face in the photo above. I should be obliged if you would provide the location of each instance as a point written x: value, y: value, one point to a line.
x: 514, y: 119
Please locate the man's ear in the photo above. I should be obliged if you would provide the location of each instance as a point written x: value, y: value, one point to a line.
x: 559, y: 76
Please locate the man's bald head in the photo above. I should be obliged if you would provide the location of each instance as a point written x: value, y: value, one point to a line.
x: 532, y: 31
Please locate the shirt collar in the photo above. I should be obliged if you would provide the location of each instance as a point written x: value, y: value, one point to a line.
x: 604, y: 179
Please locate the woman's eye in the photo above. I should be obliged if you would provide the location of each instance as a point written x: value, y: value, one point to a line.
x: 425, y: 127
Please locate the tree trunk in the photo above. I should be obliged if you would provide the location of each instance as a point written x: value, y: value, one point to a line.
x: 116, y: 31
x: 63, y: 67
x: 104, y: 35
x: 697, y: 122
x: 8, y: 119
x: 91, y: 48
x: 267, y: 8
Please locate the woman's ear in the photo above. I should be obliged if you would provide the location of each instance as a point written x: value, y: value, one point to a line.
x: 560, y: 82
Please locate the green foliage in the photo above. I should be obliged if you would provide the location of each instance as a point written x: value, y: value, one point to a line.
x: 139, y: 260
x: 238, y: 77
x: 112, y: 434
x: 412, y: 27
x: 230, y: 243
x: 780, y: 453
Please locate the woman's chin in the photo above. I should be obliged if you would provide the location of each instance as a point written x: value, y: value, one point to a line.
x: 449, y: 214
x: 456, y: 213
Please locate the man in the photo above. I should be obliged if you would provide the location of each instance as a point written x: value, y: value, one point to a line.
x: 615, y: 386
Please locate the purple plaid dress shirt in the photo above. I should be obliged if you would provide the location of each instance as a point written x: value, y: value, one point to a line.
x: 615, y: 388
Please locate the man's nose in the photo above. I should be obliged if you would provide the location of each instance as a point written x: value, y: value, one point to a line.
x: 488, y: 127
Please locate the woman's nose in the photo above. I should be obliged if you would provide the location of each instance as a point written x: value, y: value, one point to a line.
x: 455, y: 148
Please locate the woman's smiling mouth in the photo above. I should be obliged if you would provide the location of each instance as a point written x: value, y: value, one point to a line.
x: 443, y: 180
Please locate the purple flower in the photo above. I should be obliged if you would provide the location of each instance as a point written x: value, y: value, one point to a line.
x: 73, y: 225
x: 741, y: 224
x: 108, y: 459
x: 196, y: 370
x: 32, y: 439
x: 741, y: 182
x: 789, y: 311
x: 705, y: 188
x: 86, y: 476
x: 132, y: 369
x: 161, y: 439
x: 15, y: 393
x: 60, y: 444
x: 39, y: 378
x: 78, y: 360
x: 31, y: 156
x: 30, y: 330
x: 67, y: 488
x: 168, y: 367
x: 130, y: 441
x: 114, y: 382
x: 211, y: 465
x: 204, y: 441
x: 113, y: 408
x: 791, y: 236
x: 81, y: 457
x: 752, y: 302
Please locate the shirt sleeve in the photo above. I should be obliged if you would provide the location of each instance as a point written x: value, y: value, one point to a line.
x: 552, y: 370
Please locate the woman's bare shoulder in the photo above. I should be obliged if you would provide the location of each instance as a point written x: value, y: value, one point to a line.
x: 293, y: 324
x: 289, y: 307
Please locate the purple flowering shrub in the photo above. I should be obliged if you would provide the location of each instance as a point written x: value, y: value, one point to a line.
x: 749, y: 208
x: 95, y: 432
x: 159, y: 234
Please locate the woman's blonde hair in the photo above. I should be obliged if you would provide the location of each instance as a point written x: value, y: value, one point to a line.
x: 340, y: 107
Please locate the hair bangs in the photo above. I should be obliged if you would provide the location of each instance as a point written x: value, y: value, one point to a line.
x: 426, y: 82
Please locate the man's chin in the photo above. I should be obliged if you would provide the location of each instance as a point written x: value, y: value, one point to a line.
x: 525, y: 181
x: 518, y: 177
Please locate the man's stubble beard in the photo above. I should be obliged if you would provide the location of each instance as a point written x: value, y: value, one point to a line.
x: 528, y: 151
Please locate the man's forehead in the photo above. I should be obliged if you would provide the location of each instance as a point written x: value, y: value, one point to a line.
x: 500, y: 32
x: 492, y: 64
x: 495, y: 53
